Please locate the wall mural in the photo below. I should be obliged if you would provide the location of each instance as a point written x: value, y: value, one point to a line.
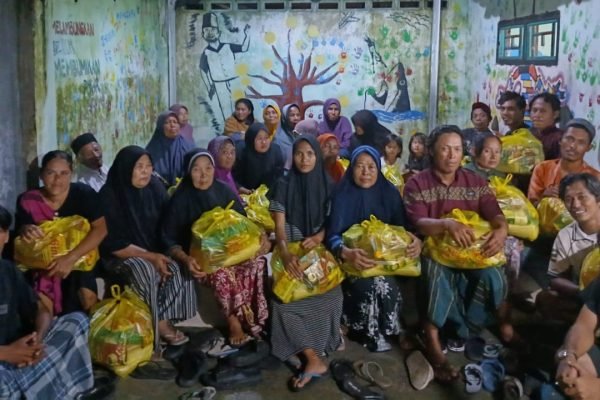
x: 375, y: 60
x: 104, y: 68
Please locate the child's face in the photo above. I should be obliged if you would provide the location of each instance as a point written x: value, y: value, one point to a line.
x: 417, y: 147
x: 392, y: 150
x: 490, y: 155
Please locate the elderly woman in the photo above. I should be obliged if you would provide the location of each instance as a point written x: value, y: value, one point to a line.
x: 167, y: 148
x: 238, y: 289
x: 222, y: 149
x: 186, y: 130
x: 371, y: 305
x: 285, y: 135
x: 241, y: 119
x: 334, y: 122
x: 486, y: 151
x: 465, y: 299
x: 133, y: 201
x: 60, y: 288
x: 299, y: 205
x: 260, y: 161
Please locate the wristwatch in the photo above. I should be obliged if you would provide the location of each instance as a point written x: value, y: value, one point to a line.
x: 564, y: 353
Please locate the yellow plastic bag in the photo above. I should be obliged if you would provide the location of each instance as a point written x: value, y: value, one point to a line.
x: 522, y: 217
x: 173, y: 188
x: 344, y: 162
x: 444, y: 250
x: 257, y: 208
x: 224, y: 238
x: 61, y: 235
x: 385, y: 244
x: 590, y: 268
x: 392, y: 174
x: 553, y: 215
x: 121, y: 332
x: 321, y: 273
x: 521, y: 151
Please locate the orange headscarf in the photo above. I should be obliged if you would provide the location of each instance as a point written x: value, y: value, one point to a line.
x: 335, y: 170
x: 272, y: 128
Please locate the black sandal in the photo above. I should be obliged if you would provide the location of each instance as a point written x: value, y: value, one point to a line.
x: 153, y: 370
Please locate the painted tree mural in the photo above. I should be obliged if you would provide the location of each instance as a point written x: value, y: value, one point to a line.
x: 292, y: 80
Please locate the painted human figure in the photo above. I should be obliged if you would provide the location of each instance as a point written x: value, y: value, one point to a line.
x: 217, y: 62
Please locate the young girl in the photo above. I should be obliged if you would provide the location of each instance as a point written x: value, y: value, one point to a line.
x: 417, y: 158
x: 392, y: 151
x: 487, y: 150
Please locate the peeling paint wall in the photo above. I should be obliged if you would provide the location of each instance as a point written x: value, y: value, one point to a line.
x: 576, y: 78
x: 102, y: 67
x: 378, y: 60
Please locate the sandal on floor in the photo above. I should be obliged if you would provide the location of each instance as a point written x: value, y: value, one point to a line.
x: 346, y: 380
x: 372, y: 373
x: 445, y: 373
x: 473, y: 378
x: 314, y: 378
x: 512, y: 388
x: 206, y: 393
x: 175, y: 339
x: 227, y: 378
x: 250, y: 354
x: 420, y: 371
x: 153, y: 370
x: 493, y: 374
x: 492, y: 350
x: 218, y: 348
x: 474, y: 348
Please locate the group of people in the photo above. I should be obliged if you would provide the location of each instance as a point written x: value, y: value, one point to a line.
x: 141, y: 211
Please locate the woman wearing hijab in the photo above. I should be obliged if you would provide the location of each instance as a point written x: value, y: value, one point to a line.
x: 371, y: 305
x: 285, y: 135
x: 330, y: 148
x: 222, y: 149
x: 167, y: 148
x: 334, y: 122
x: 368, y: 131
x: 133, y: 201
x: 299, y: 203
x: 186, y: 130
x: 238, y: 289
x: 272, y: 118
x: 260, y: 161
x: 241, y: 119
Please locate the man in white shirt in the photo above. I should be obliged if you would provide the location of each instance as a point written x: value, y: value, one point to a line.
x: 581, y: 194
x: 89, y: 168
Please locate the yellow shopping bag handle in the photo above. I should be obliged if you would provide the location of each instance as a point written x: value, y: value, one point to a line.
x: 368, y: 222
x: 458, y: 214
x: 115, y: 290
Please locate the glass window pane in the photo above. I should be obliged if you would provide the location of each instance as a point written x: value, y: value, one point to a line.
x: 543, y: 38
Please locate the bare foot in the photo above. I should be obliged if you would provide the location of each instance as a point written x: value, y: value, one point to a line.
x: 237, y: 336
x: 314, y: 366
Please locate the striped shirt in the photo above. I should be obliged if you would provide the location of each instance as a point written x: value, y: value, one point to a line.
x: 568, y: 252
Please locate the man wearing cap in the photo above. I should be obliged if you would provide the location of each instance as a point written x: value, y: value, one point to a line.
x: 89, y: 168
x: 481, y: 116
x: 217, y: 62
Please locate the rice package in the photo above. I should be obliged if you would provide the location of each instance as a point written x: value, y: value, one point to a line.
x: 521, y: 151
x: 257, y: 208
x: 553, y: 215
x: 223, y: 237
x: 590, y: 268
x: 121, y: 332
x: 444, y: 250
x: 61, y: 235
x: 385, y: 244
x: 320, y: 270
x: 522, y: 217
x: 392, y: 174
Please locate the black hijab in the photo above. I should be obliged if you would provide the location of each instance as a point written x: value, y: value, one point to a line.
x: 253, y: 168
x: 374, y: 133
x: 188, y: 203
x: 304, y: 196
x: 132, y: 214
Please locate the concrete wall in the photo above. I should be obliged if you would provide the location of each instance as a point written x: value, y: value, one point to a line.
x: 101, y: 66
x: 307, y: 57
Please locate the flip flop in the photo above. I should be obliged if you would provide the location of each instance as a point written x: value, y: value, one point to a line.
x: 175, y: 339
x: 492, y: 350
x: 218, y: 348
x: 153, y: 370
x: 372, y: 372
x: 493, y: 374
x: 346, y: 380
x: 314, y: 378
x: 227, y: 378
x: 474, y: 348
x: 252, y: 353
x: 420, y: 371
x: 473, y: 378
x: 206, y: 393
x: 512, y: 388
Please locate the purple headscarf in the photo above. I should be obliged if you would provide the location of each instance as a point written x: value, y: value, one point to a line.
x: 186, y: 130
x: 342, y: 129
x: 167, y: 154
x: 224, y: 175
